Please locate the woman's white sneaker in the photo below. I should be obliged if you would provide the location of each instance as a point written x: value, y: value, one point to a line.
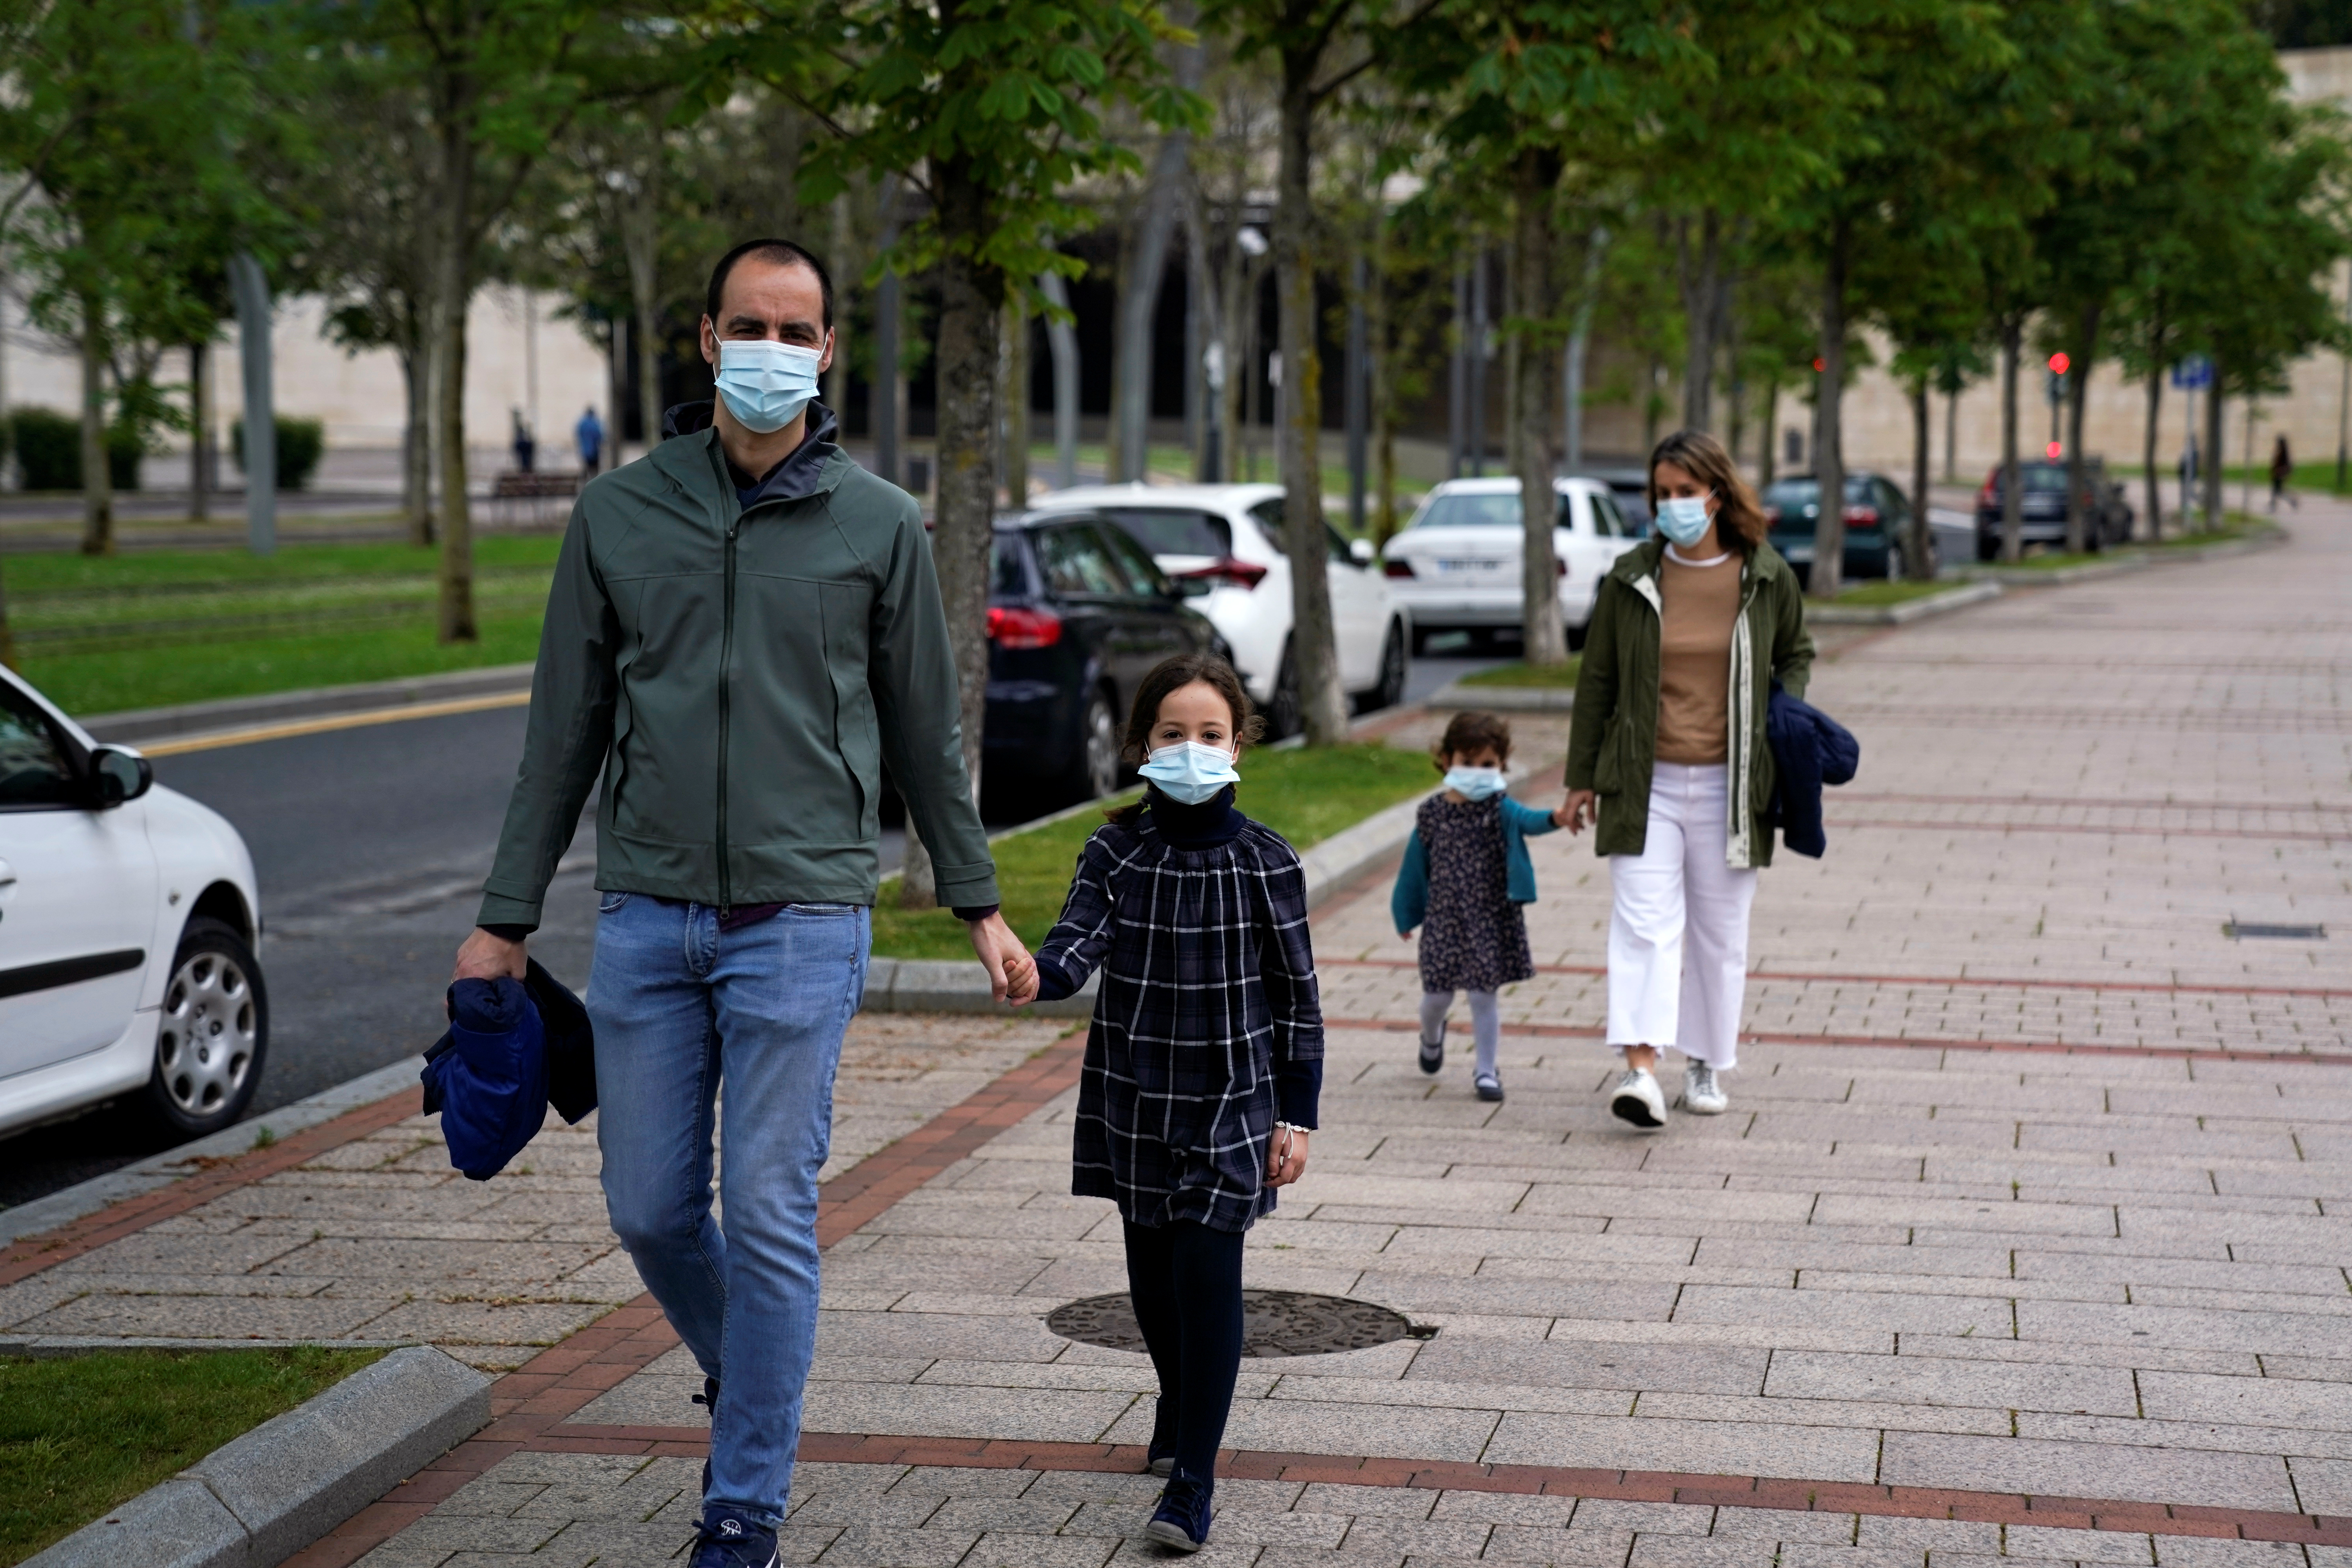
x: 1703, y: 1091
x: 1637, y: 1100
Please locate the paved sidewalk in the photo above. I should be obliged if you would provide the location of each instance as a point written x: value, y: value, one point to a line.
x: 2024, y: 1238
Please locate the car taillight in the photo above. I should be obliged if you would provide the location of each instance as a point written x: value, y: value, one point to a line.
x: 1561, y: 563
x: 1863, y: 517
x: 1396, y: 569
x: 1236, y: 573
x: 1991, y: 492
x: 1771, y: 516
x: 1012, y: 627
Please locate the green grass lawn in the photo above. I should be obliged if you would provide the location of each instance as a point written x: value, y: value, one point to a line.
x: 80, y: 1434
x: 1556, y: 674
x: 103, y: 634
x: 1305, y: 795
x: 1896, y: 592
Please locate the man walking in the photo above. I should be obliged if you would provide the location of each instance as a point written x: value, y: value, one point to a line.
x: 744, y: 626
x: 588, y: 435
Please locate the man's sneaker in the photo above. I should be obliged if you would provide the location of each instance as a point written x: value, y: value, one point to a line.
x: 1181, y: 1521
x: 1703, y: 1091
x: 1433, y: 1052
x: 1637, y: 1099
x: 1488, y: 1085
x: 730, y: 1539
x: 708, y: 1400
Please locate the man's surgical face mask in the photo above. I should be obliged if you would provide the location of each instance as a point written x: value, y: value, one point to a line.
x: 766, y: 383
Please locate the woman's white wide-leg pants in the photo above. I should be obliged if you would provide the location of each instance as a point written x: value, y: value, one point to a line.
x: 1678, y: 933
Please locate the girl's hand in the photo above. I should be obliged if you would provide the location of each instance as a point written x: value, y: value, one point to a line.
x: 1285, y: 1161
x: 1579, y: 811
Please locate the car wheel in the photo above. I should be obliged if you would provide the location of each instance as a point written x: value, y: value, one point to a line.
x: 1282, y: 715
x: 1390, y: 691
x: 1094, y: 773
x: 213, y: 1035
x: 1987, y: 550
x: 1419, y: 642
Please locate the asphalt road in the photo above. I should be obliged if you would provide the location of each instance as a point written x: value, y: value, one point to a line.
x: 370, y: 845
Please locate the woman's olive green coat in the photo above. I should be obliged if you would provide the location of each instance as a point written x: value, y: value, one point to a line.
x: 1612, y: 738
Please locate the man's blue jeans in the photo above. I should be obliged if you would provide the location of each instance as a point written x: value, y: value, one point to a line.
x: 680, y: 1007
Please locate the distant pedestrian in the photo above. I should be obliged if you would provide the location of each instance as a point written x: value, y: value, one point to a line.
x: 1204, y: 1062
x: 742, y: 626
x: 1667, y: 750
x: 588, y: 435
x: 526, y: 449
x: 1465, y: 876
x: 2281, y: 471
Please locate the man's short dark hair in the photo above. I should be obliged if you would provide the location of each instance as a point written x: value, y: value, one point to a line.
x: 777, y: 253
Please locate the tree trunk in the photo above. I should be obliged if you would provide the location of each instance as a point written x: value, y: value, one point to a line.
x: 1952, y: 437
x: 1699, y: 307
x: 1322, y: 705
x: 617, y: 392
x: 1543, y: 640
x: 1916, y: 549
x: 1829, y: 456
x: 2212, y: 455
x: 1580, y: 339
x: 2148, y: 435
x: 417, y: 449
x: 1138, y: 307
x: 1015, y: 351
x: 1770, y: 457
x: 2079, y: 520
x: 200, y: 426
x: 453, y: 286
x: 2012, y: 502
x: 837, y: 378
x: 96, y: 481
x: 1216, y: 453
x: 1384, y: 388
x: 971, y: 308
x: 641, y: 242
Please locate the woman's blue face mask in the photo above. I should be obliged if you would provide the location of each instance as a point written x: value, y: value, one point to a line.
x: 1683, y: 519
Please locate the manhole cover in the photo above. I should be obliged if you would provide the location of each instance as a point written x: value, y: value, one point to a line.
x: 1274, y: 1323
x: 2241, y: 931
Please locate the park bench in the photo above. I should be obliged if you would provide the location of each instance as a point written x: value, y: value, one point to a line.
x: 514, y: 492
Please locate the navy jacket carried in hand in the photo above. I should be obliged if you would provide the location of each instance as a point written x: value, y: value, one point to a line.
x: 1809, y: 749
x: 513, y: 1046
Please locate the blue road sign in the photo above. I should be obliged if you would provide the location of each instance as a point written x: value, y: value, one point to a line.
x: 2193, y: 374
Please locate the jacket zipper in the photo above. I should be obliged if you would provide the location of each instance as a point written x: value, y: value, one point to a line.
x: 726, y: 667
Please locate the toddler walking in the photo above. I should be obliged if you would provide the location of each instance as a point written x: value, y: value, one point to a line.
x: 1205, y: 1061
x: 1465, y: 874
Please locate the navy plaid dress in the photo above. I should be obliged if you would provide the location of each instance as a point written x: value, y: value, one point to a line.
x: 1207, y: 1028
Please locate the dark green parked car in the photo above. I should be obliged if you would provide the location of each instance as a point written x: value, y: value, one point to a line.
x: 1877, y: 521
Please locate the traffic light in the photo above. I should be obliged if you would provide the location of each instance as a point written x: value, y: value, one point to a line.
x: 2058, y: 364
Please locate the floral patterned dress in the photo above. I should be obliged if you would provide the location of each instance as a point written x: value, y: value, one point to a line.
x: 1475, y: 938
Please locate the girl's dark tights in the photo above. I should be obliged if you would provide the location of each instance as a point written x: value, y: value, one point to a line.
x: 1186, y: 1283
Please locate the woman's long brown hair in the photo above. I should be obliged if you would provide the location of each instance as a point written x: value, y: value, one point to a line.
x: 1739, y: 515
x: 1172, y: 675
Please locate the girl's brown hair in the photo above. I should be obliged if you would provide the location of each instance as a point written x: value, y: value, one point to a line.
x: 1470, y: 732
x: 1739, y: 515
x: 1173, y: 675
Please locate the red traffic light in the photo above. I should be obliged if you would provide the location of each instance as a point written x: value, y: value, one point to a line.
x: 2058, y: 364
x: 2055, y: 451
x: 1819, y: 367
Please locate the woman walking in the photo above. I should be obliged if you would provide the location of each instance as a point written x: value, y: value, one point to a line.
x: 2281, y: 475
x: 1666, y: 752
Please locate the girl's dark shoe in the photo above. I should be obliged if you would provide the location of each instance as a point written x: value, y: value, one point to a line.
x: 1433, y: 1053
x: 1181, y: 1521
x: 1488, y: 1085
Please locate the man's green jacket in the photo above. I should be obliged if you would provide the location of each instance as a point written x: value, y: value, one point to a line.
x: 738, y: 676
x: 1613, y: 733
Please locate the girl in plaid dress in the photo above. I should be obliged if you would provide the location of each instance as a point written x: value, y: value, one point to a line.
x: 1205, y: 1061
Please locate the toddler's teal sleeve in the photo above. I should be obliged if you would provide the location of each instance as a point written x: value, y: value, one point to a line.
x: 1408, y: 903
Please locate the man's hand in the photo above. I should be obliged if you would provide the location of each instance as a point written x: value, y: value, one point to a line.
x: 485, y: 956
x: 1012, y: 973
x: 1579, y: 811
x: 1285, y: 1160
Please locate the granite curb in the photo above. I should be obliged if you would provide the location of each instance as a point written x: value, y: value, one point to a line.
x: 2127, y: 560
x: 959, y: 985
x: 1505, y: 699
x: 134, y: 725
x: 1905, y: 613
x: 259, y: 1499
x: 70, y: 1204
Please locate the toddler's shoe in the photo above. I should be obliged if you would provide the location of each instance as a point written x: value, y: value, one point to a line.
x: 1637, y: 1100
x: 730, y: 1539
x: 1181, y: 1521
x: 1488, y: 1085
x: 1703, y: 1091
x: 1433, y: 1052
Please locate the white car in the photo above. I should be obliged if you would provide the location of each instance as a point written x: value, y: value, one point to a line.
x: 128, y: 920
x: 1456, y: 566
x: 1230, y: 538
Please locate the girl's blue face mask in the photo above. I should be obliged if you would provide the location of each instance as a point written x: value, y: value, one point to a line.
x: 1189, y: 772
x: 1683, y: 519
x: 1477, y: 784
x: 766, y: 383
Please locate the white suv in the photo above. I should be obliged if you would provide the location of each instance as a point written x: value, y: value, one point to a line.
x: 1229, y: 537
x: 1457, y: 565
x: 128, y: 919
